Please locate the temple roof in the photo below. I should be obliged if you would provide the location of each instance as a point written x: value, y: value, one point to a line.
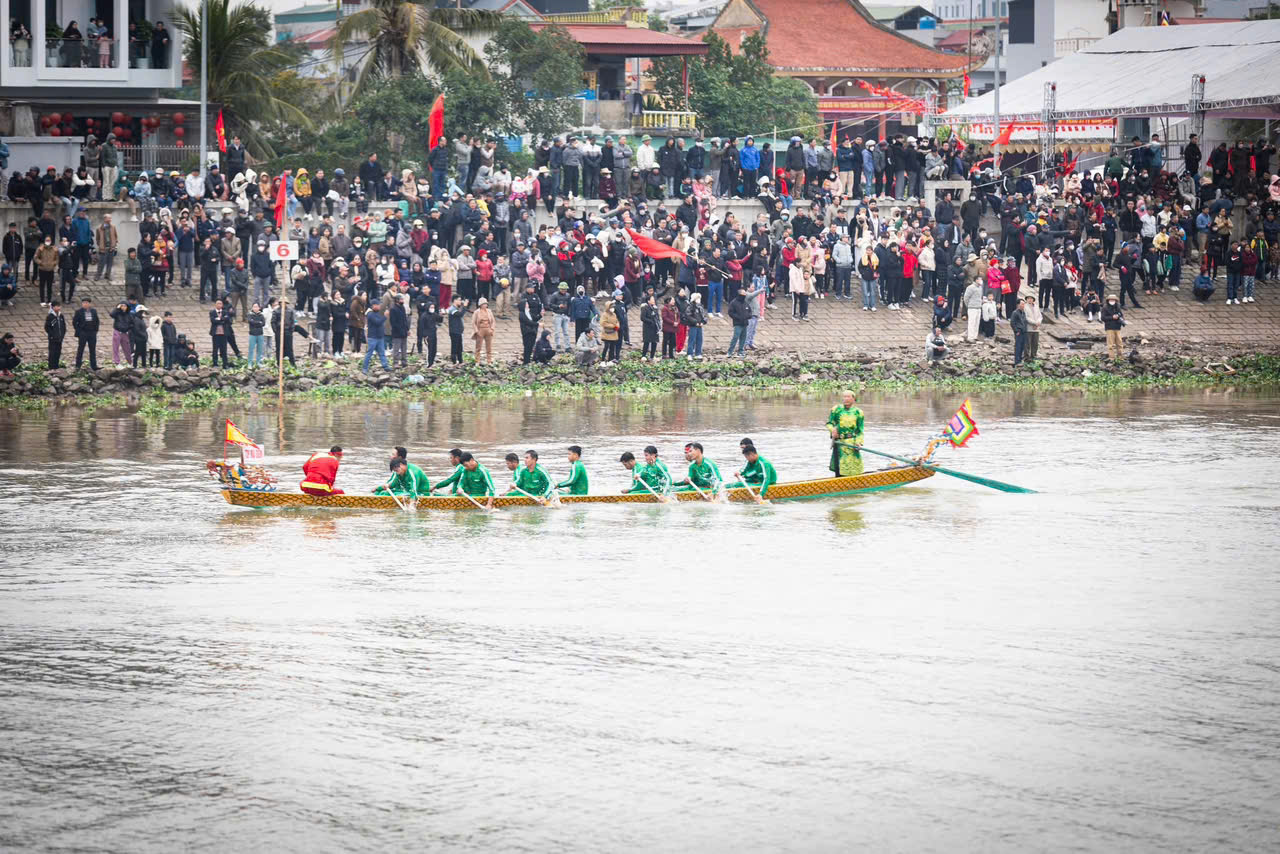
x: 823, y: 37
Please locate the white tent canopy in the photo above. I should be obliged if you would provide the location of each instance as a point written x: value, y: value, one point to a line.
x: 1148, y: 71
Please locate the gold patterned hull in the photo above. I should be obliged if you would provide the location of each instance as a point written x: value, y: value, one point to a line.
x: 799, y: 490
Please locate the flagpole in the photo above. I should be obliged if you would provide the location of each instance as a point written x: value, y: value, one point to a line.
x: 280, y: 358
x: 204, y: 88
x: 997, y: 147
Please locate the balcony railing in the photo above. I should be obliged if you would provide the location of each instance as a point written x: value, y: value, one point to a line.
x: 77, y: 53
x: 135, y: 158
x: 618, y: 15
x: 664, y: 120
x: 1066, y: 47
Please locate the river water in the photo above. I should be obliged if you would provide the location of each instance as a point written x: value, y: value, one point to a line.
x: 939, y: 668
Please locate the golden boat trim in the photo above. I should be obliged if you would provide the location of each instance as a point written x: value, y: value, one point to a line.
x: 798, y: 490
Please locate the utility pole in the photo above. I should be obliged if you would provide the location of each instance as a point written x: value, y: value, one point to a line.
x: 999, y: 39
x: 204, y: 88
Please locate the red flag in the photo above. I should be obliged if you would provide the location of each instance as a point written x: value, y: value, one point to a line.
x: 282, y: 198
x: 654, y: 248
x: 834, y: 125
x: 967, y: 83
x: 220, y: 131
x: 435, y: 123
x: 960, y: 143
x: 1005, y: 135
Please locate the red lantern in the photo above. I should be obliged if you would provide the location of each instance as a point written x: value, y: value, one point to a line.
x: 46, y: 122
x: 55, y: 132
x: 179, y: 132
x: 179, y: 118
x: 117, y: 118
x: 55, y: 118
x: 126, y: 133
x: 118, y: 131
x: 178, y: 143
x: 88, y: 123
x: 67, y: 118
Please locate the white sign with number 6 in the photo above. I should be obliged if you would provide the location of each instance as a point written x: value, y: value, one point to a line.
x: 283, y: 250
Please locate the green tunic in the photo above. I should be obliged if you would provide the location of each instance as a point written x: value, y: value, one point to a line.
x: 846, y: 461
x: 705, y: 475
x: 451, y: 480
x: 760, y: 474
x: 656, y: 476
x: 535, y: 482
x: 577, y: 482
x: 476, y: 483
x: 412, y: 482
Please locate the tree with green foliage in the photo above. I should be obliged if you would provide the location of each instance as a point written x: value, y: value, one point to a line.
x: 736, y: 94
x: 408, y: 37
x: 243, y: 63
x: 538, y: 72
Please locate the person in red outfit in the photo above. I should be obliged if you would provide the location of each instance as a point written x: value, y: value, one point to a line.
x: 320, y: 472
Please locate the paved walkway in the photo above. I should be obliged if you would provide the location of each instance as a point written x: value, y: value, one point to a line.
x: 834, y: 326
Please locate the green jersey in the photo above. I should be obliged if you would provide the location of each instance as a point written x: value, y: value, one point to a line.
x: 577, y: 481
x: 656, y: 476
x: 705, y: 475
x: 760, y: 474
x: 451, y: 480
x: 412, y: 482
x: 534, y: 482
x: 476, y: 483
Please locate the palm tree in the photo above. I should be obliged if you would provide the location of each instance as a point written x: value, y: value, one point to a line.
x: 242, y: 64
x: 409, y: 36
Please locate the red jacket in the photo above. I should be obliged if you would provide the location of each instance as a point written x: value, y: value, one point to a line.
x: 321, y: 470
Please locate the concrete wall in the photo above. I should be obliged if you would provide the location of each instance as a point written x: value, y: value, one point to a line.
x: 43, y: 151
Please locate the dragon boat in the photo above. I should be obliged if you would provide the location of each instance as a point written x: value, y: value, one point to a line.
x: 797, y: 490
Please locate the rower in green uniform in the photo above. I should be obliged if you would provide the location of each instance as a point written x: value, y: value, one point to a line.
x: 531, y: 479
x: 475, y: 480
x: 845, y: 425
x: 628, y: 461
x: 406, y: 479
x: 577, y: 481
x: 455, y: 457
x: 656, y: 473
x: 758, y: 472
x: 703, y: 474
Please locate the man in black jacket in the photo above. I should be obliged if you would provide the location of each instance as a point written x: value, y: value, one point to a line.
x: 530, y: 319
x: 85, y: 323
x: 219, y: 324
x: 371, y: 174
x: 1191, y: 155
x: 13, y: 247
x: 55, y: 327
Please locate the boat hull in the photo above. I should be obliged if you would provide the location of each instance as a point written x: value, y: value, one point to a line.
x: 800, y: 490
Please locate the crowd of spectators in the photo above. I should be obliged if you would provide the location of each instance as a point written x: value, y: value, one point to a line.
x: 94, y: 46
x: 460, y: 246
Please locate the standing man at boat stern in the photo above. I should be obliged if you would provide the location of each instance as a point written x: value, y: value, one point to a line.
x: 845, y: 426
x: 320, y: 471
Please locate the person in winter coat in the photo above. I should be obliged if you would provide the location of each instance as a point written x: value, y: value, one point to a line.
x: 155, y: 342
x: 1113, y: 322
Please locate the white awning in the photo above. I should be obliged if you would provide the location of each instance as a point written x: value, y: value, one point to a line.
x: 1148, y: 71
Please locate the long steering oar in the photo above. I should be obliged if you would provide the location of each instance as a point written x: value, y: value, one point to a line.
x: 972, y: 478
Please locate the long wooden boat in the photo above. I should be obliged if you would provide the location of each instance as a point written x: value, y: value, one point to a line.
x: 797, y: 490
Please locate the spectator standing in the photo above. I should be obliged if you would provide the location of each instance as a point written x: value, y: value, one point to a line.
x: 1113, y: 322
x: 55, y: 329
x: 85, y: 323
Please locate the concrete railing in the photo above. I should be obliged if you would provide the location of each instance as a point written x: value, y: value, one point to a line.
x: 665, y: 120
x: 631, y: 15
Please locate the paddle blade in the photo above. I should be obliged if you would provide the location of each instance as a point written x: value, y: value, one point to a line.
x: 983, y: 481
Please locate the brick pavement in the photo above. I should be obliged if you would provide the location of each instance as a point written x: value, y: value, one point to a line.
x: 834, y: 326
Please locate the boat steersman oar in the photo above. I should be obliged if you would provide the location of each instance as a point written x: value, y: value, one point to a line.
x: 923, y: 463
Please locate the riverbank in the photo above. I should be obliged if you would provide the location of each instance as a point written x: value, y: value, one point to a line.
x: 981, y: 367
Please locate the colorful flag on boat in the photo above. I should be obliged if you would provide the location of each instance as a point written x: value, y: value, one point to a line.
x: 960, y: 427
x: 236, y: 436
x: 1165, y: 20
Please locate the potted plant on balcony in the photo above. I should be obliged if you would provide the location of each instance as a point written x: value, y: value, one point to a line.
x: 53, y: 45
x: 140, y: 43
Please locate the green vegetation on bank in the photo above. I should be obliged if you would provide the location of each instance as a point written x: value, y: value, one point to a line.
x: 634, y: 377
